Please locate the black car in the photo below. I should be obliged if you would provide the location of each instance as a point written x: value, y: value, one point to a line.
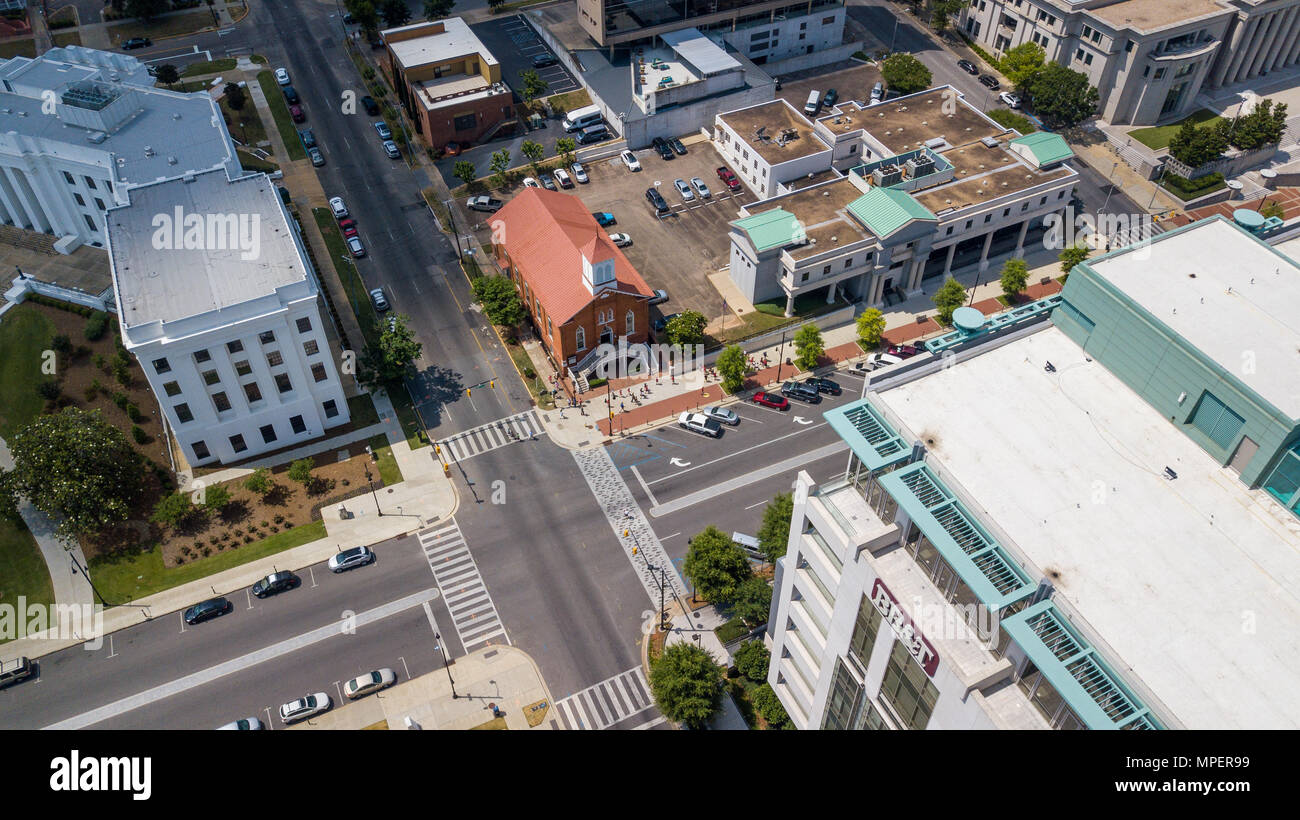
x: 677, y: 145
x: 830, y: 97
x: 275, y: 582
x: 290, y: 94
x: 968, y: 67
x: 307, y: 137
x: 824, y: 385
x: 136, y: 42
x: 662, y: 321
x: 372, y: 107
x: 801, y: 391
x: 657, y: 200
x: 543, y: 60
x: 989, y: 81
x: 547, y: 182
x: 204, y: 610
x: 661, y: 145
x: 284, y: 194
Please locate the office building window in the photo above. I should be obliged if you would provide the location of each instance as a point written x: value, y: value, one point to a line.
x: 318, y: 372
x: 297, y: 424
x: 865, y: 630
x: 282, y: 382
x: 90, y: 183
x: 268, y: 433
x: 161, y: 366
x: 243, y: 368
x: 80, y: 201
x: 252, y: 392
x: 90, y: 223
x: 331, y: 409
x: 69, y: 178
x: 1160, y: 74
x: 235, y: 347
x: 304, y: 325
x: 202, y: 356
x: 274, y: 359
x: 266, y: 337
x: 222, y: 403
x: 183, y: 414
x: 237, y: 443
x: 99, y: 203
x: 211, y: 377
x: 310, y: 348
x: 200, y: 449
x: 907, y: 690
x: 172, y: 389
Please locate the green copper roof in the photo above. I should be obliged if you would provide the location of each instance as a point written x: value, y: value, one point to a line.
x: 771, y: 229
x: 885, y: 210
x: 1046, y: 148
x: 867, y: 433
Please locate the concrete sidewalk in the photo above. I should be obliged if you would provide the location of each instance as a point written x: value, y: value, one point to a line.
x: 728, y: 717
x: 502, y: 675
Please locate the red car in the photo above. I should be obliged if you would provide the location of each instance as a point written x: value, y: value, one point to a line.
x: 904, y: 351
x: 349, y: 227
x: 729, y: 178
x: 451, y: 149
x: 295, y: 111
x: 773, y: 400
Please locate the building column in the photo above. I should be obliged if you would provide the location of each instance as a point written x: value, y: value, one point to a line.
x: 15, y: 181
x: 1265, y: 43
x: 984, y: 253
x: 1239, y: 52
x: 1285, y: 41
x: 947, y: 262
x: 1020, y: 240
x: 914, y: 274
x: 830, y: 294
x: 1227, y: 53
x: 1293, y: 44
x: 10, y: 206
x: 789, y: 305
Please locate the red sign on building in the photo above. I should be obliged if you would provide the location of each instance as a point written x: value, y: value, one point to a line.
x: 920, y: 649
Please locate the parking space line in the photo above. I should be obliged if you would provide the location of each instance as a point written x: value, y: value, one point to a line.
x: 644, y: 486
x: 681, y: 473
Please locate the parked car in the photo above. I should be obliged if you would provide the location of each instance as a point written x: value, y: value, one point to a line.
x: 337, y: 207
x: 661, y: 145
x: 369, y: 683
x: 701, y: 188
x: 282, y: 76
x: 390, y: 148
x: 284, y: 194
x: 347, y: 559
x: 677, y: 146
x: 372, y: 107
x: 562, y: 177
x: 877, y: 92
x: 290, y: 95
x: 722, y: 415
x: 773, y: 400
x: 620, y: 239
x: 317, y: 158
x: 968, y: 67
x: 548, y: 183
x: 380, y: 303
x: 700, y: 423
x: 579, y: 173
x: 685, y: 190
x: 452, y: 149
x: 596, y: 133
x: 989, y: 81
x: 348, y: 226
x: 483, y: 203
x: 19, y: 669
x: 660, y: 296
x: 243, y: 724
x: 603, y: 218
x: 629, y: 159
x: 385, y: 133
x: 1010, y: 99
x: 829, y: 98
x: 878, y: 360
x: 303, y: 708
x: 824, y: 385
x: 205, y: 610
x: 529, y: 182
x: 728, y: 178
x: 801, y: 391
x: 355, y: 247
x: 139, y: 42
x: 904, y: 351
x: 273, y: 583
x: 544, y: 60
x: 295, y: 113
x: 307, y: 137
x: 662, y: 321
x: 656, y: 199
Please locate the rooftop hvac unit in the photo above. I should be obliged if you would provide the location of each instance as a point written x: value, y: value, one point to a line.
x: 936, y: 142
x: 990, y: 141
x: 887, y: 175
x: 919, y: 167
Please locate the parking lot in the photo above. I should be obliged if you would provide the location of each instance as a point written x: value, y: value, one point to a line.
x: 852, y: 84
x: 514, y: 43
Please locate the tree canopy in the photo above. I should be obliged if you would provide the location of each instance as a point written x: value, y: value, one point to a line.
x: 809, y: 346
x: 1264, y: 125
x: 1022, y: 63
x: 753, y: 600
x: 1197, y: 146
x: 871, y: 326
x: 687, y: 684
x: 393, y: 357
x: 1072, y: 256
x: 437, y: 9
x: 731, y: 367
x: 905, y: 74
x: 395, y: 13
x: 774, y: 533
x: 687, y: 328
x: 1015, y: 276
x: 500, y: 300
x: 716, y: 566
x: 948, y: 298
x: 1062, y: 97
x: 752, y: 659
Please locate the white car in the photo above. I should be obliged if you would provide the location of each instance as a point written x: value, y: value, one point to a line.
x: 629, y: 159
x: 363, y: 685
x: 529, y: 182
x: 579, y: 173
x: 620, y: 239
x: 701, y: 188
x: 336, y: 205
x: 1011, y: 100
x: 685, y: 190
x: 282, y: 76
x: 347, y: 559
x: 242, y: 724
x: 879, y: 360
x: 725, y: 415
x: 562, y: 178
x: 700, y: 423
x: 303, y: 708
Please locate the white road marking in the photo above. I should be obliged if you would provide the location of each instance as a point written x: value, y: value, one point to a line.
x: 748, y: 479
x: 645, y: 486
x: 739, y: 452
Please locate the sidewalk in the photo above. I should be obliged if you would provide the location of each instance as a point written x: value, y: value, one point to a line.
x: 502, y: 675
x: 728, y: 717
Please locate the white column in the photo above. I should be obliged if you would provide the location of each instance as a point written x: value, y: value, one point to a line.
x: 1228, y: 52
x: 1265, y: 43
x: 914, y: 275
x: 1285, y: 40
x: 1239, y: 52
x: 15, y: 182
x: 830, y: 294
x: 11, y: 207
x: 1020, y: 240
x: 789, y: 305
x: 947, y: 262
x: 984, y: 253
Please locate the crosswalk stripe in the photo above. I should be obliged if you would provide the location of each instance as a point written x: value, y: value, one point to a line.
x: 493, y: 435
x: 473, y: 615
x: 611, y: 701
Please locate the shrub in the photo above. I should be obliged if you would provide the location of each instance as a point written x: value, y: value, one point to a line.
x: 264, y: 525
x: 769, y: 706
x: 596, y: 382
x: 81, y: 352
x: 274, y: 528
x: 752, y: 659
x: 49, y: 389
x: 213, y: 539
x: 99, y: 360
x: 91, y: 393
x: 133, y: 412
x: 96, y: 326
x: 138, y: 434
x: 1186, y: 189
x: 248, y: 539
x: 207, y: 551
x: 279, y: 519
x: 288, y: 525
x: 120, y: 400
x: 61, y: 343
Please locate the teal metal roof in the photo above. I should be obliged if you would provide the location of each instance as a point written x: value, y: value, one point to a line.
x: 868, y: 434
x: 772, y: 229
x: 994, y: 324
x: 1076, y: 671
x: 1046, y: 147
x: 972, y: 553
x: 885, y: 210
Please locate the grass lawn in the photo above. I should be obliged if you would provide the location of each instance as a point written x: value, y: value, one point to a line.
x: 22, y: 569
x: 408, y: 418
x: 388, y: 469
x: 356, y: 289
x: 67, y: 38
x: 280, y: 110
x: 209, y: 67
x: 18, y: 48
x: 173, y: 26
x: 67, y: 14
x: 536, y: 385
x: 1158, y: 137
x: 731, y: 630
x: 569, y: 100
x: 361, y: 409
x: 1010, y: 119
x: 252, y: 163
x: 136, y: 576
x: 24, y: 333
x: 770, y: 316
x: 253, y: 130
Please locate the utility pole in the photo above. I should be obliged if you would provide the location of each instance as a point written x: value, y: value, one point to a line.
x: 780, y: 357
x: 1111, y: 180
x: 372, y: 490
x: 446, y: 665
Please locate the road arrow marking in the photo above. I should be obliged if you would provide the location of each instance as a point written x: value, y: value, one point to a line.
x: 802, y: 420
x: 677, y: 462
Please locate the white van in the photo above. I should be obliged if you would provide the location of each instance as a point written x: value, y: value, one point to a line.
x: 581, y: 118
x: 814, y: 102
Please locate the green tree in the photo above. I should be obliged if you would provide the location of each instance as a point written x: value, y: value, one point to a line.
x: 716, y: 566
x: 495, y: 5
x: 534, y: 152
x: 1072, y: 256
x: 260, y: 482
x: 146, y: 10
x: 393, y: 357
x: 905, y: 74
x: 767, y: 704
x: 565, y: 146
x: 731, y: 366
x: 871, y: 327
x: 500, y: 300
x: 753, y: 600
x: 500, y: 163
x: 809, y: 346
x: 1015, y: 276
x: 1021, y: 63
x: 365, y: 15
x: 235, y: 97
x: 216, y: 499
x: 752, y: 659
x: 948, y: 298
x: 437, y: 9
x: 167, y: 74
x: 172, y: 509
x: 533, y: 85
x: 687, y: 684
x: 1197, y: 146
x: 687, y: 328
x: 395, y: 13
x: 942, y: 12
x: 300, y: 471
x: 774, y: 532
x: 1272, y: 209
x: 465, y: 172
x: 1062, y: 97
x: 76, y: 467
x: 1264, y: 125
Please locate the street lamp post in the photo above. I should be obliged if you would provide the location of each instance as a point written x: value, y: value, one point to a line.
x: 659, y: 576
x: 373, y: 494
x: 1111, y: 180
x: 780, y: 357
x: 446, y: 664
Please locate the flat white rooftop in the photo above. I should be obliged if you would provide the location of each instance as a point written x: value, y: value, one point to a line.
x: 158, y: 280
x: 456, y: 40
x: 1244, y: 298
x: 1193, y: 583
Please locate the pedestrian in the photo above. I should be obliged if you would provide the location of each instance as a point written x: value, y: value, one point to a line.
x: 621, y: 408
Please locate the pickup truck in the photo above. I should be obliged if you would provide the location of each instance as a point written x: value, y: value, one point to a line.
x: 483, y: 203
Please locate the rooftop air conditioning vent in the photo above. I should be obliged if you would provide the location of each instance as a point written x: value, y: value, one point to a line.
x: 176, y: 116
x: 171, y: 160
x: 148, y: 151
x: 991, y: 142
